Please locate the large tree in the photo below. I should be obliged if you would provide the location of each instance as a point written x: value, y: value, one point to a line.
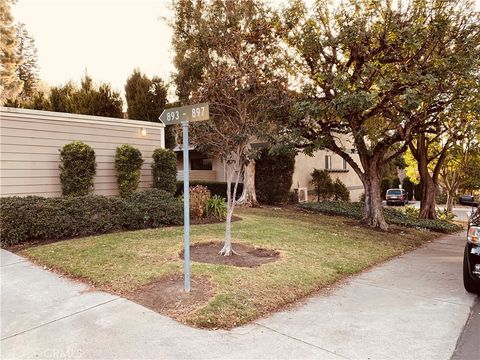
x: 10, y: 84
x: 374, y: 70
x: 146, y: 99
x: 198, y: 26
x: 27, y: 70
x: 238, y: 75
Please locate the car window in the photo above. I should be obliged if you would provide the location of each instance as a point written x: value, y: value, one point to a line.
x: 394, y: 192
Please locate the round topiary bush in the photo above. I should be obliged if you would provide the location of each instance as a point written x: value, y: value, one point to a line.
x: 164, y: 170
x: 77, y: 169
x: 128, y: 162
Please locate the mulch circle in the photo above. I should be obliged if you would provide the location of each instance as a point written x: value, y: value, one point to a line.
x: 166, y: 295
x: 248, y: 256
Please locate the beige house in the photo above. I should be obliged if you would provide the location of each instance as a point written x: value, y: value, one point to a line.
x: 30, y: 141
x: 203, y: 168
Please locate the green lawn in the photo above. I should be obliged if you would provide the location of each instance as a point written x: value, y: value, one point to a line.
x: 315, y: 251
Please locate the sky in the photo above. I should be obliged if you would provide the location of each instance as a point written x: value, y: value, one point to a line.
x: 108, y: 39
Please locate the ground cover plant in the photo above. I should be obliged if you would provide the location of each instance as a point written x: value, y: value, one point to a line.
x: 311, y: 255
x: 393, y: 216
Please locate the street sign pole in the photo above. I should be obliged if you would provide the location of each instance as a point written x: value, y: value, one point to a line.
x: 186, y: 206
x: 185, y: 115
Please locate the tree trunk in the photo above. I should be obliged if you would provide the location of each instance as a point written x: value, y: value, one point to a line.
x: 450, y: 199
x: 232, y: 173
x: 249, y: 196
x: 428, y: 204
x: 227, y: 246
x: 373, y: 216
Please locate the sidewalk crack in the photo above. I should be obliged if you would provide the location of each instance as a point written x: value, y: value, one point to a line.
x: 302, y: 341
x: 58, y: 319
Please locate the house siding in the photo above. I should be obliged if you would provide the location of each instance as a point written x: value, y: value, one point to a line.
x: 30, y: 141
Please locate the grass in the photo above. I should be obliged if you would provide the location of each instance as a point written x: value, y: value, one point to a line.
x: 316, y: 250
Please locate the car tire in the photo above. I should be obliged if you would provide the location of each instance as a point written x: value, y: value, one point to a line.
x: 470, y: 285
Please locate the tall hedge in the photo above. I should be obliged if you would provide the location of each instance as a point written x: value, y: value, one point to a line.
x: 77, y: 169
x: 164, y: 170
x: 128, y: 162
x: 273, y: 176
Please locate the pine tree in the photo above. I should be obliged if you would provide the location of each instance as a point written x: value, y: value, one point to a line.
x: 146, y: 99
x: 27, y: 70
x: 10, y: 84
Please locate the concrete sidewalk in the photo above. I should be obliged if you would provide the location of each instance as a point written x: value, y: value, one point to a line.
x: 413, y: 307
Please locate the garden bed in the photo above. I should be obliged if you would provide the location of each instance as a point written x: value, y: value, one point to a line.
x: 354, y: 210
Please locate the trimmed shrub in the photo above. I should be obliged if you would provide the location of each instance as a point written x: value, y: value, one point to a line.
x: 128, y: 162
x: 216, y: 207
x: 164, y: 170
x: 77, y: 169
x: 340, y: 191
x: 37, y: 218
x: 322, y: 184
x: 273, y: 176
x: 355, y: 210
x: 153, y: 208
x: 215, y: 187
x: 199, y: 196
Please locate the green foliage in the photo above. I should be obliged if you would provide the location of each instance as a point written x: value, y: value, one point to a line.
x: 322, y: 183
x: 445, y: 215
x: 37, y: 218
x: 273, y: 176
x: 410, y: 211
x: 216, y: 207
x: 128, y: 162
x: 440, y: 198
x: 27, y: 70
x: 87, y: 99
x: 164, y: 170
x: 199, y: 196
x: 340, y: 191
x: 215, y: 187
x: 355, y: 210
x: 153, y: 208
x: 10, y: 84
x: 77, y: 169
x: 146, y: 99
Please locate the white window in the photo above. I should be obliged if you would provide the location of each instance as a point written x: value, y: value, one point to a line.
x: 345, y: 164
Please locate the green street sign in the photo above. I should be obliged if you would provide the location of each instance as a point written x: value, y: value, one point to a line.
x: 190, y: 113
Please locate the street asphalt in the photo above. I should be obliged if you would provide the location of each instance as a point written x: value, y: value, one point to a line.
x: 412, y: 307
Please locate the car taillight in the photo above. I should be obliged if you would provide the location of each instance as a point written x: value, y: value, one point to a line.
x: 474, y: 234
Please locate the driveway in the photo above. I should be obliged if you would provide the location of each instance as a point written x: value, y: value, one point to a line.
x: 413, y: 307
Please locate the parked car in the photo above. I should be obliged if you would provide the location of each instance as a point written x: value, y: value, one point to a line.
x: 466, y: 199
x: 471, y: 259
x: 396, y: 196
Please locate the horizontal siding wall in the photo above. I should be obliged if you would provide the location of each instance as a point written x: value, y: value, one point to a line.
x: 30, y: 141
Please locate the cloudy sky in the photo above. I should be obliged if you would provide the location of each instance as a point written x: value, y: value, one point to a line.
x: 106, y: 38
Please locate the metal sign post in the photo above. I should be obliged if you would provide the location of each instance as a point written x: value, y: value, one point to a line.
x: 186, y: 205
x: 185, y: 115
